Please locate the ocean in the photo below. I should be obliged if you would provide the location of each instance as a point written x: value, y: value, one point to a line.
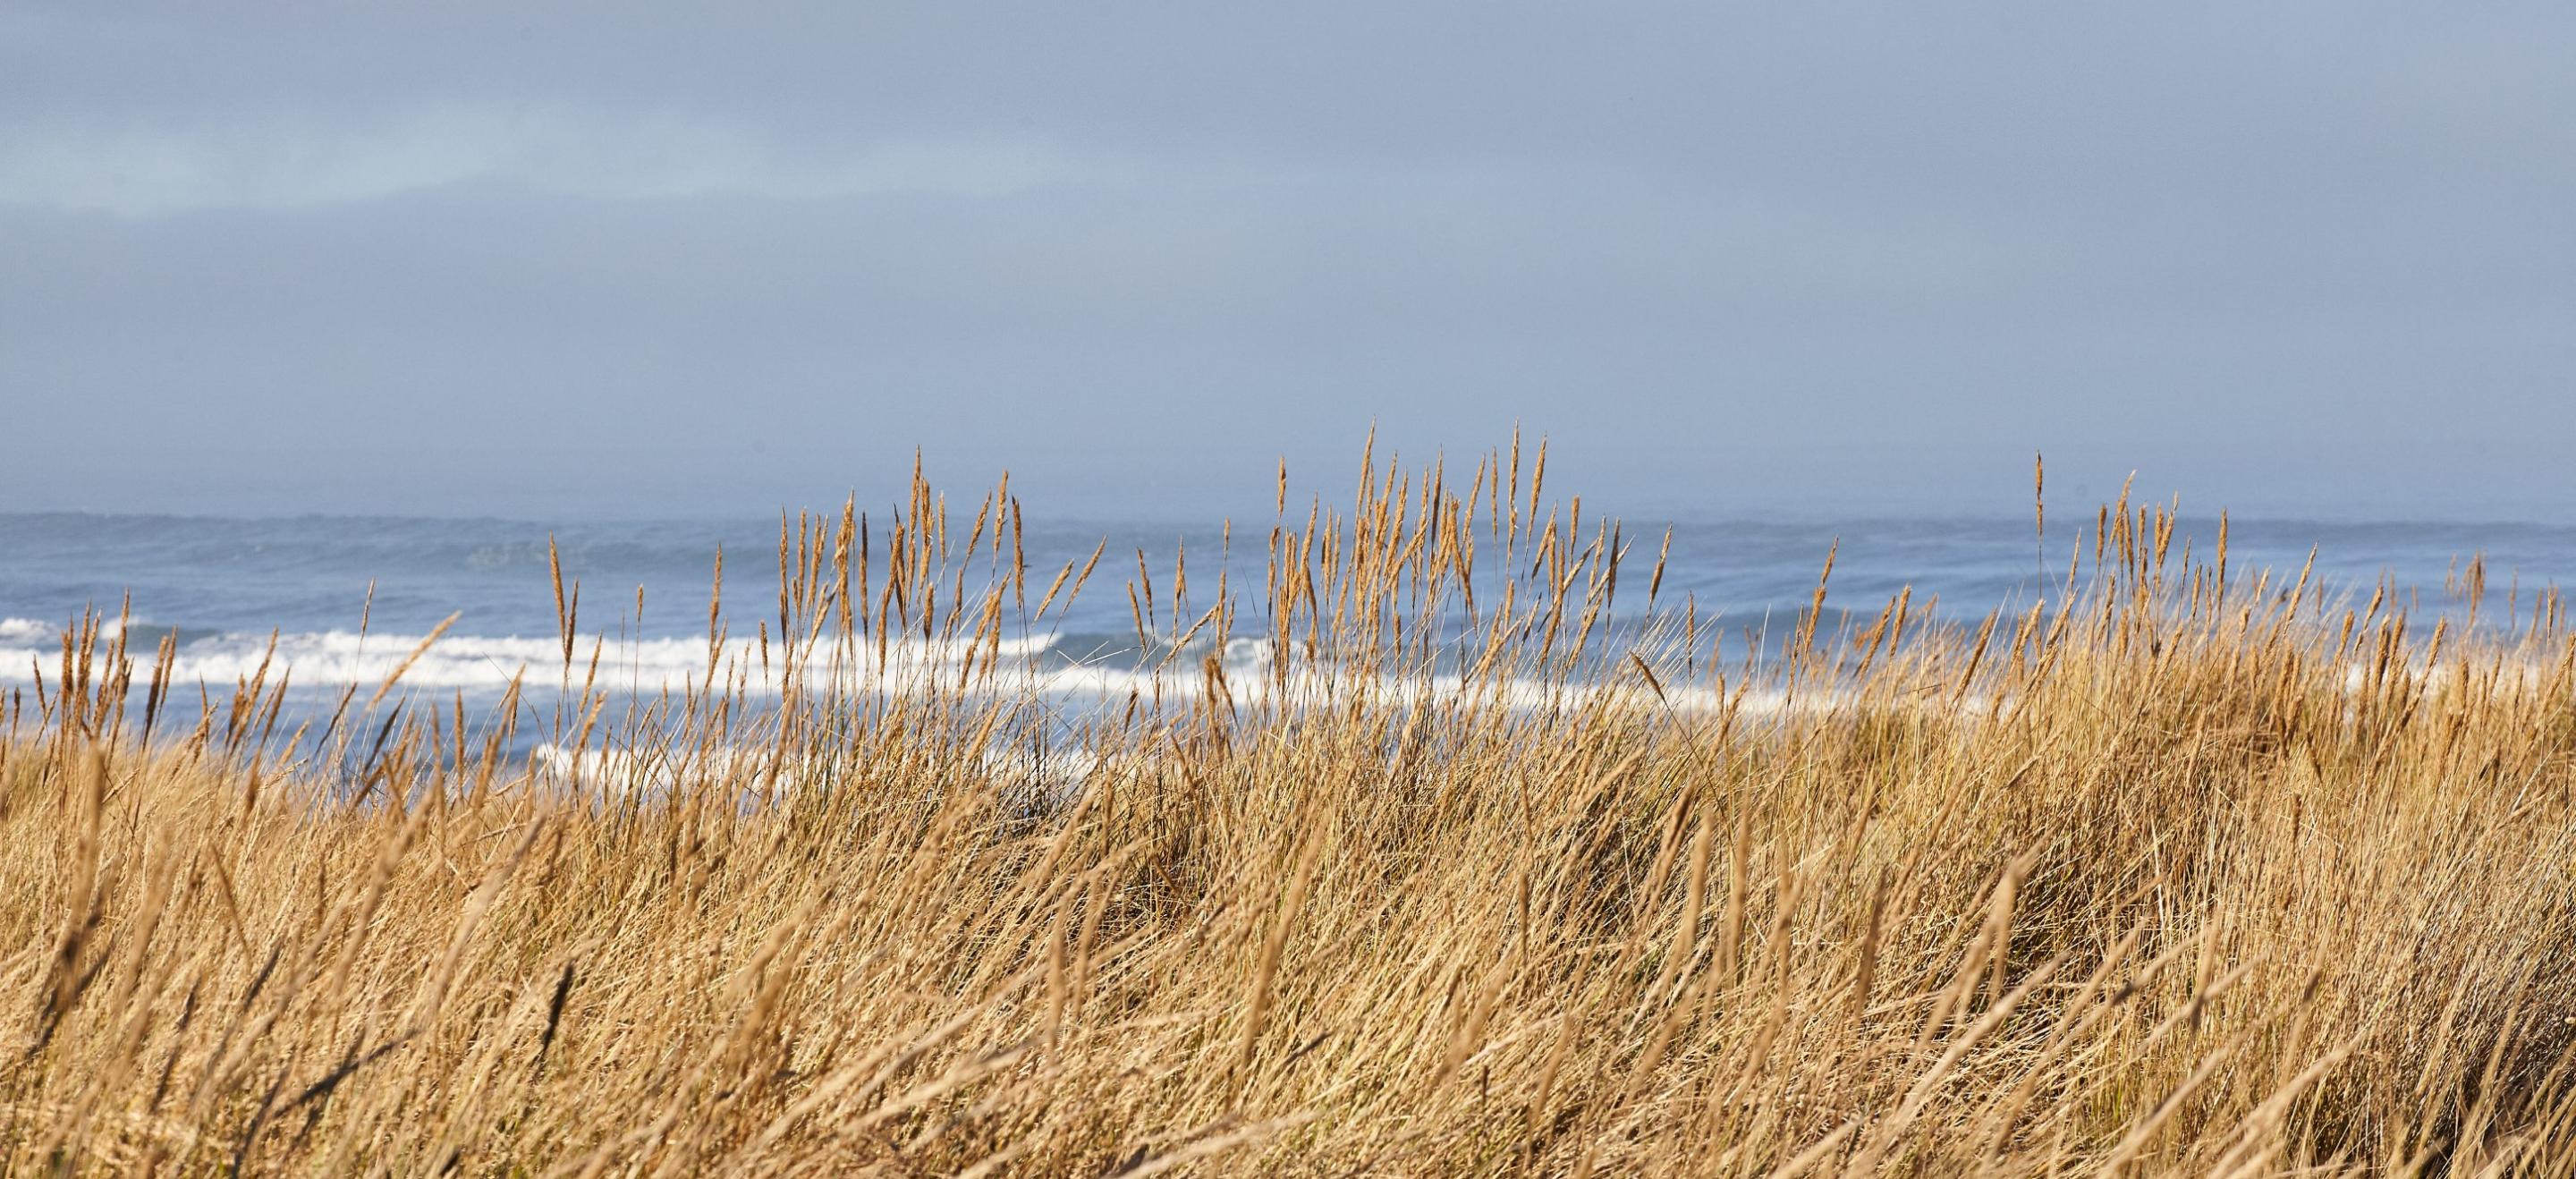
x: 221, y: 586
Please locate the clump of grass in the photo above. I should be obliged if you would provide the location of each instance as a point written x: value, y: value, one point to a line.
x: 1496, y: 866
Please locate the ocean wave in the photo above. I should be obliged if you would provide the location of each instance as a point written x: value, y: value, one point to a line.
x: 28, y: 632
x: 481, y: 662
x: 1070, y: 669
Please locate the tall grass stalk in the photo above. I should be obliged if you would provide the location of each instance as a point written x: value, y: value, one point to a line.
x: 1489, y: 868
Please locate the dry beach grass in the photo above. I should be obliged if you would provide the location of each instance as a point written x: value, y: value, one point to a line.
x: 2179, y: 870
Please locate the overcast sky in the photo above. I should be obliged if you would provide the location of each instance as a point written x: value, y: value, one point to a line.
x: 2291, y: 258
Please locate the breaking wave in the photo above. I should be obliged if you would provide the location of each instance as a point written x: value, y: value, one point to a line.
x: 1069, y: 668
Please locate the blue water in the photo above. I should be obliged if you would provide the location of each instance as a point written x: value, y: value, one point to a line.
x: 224, y: 585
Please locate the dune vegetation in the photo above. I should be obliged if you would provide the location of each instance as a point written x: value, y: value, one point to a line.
x: 1502, y: 860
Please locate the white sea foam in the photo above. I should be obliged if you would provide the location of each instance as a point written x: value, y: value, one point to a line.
x: 485, y: 665
x: 1048, y: 777
x: 621, y: 771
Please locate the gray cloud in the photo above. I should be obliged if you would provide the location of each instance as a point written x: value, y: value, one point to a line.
x: 290, y: 160
x: 2298, y: 257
